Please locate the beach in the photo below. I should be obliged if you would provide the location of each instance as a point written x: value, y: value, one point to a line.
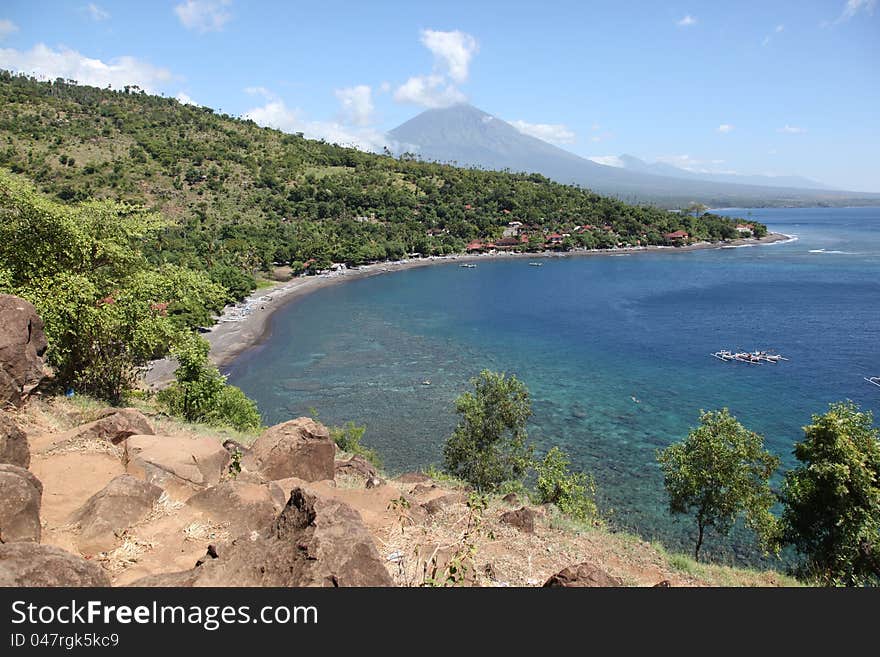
x: 246, y: 324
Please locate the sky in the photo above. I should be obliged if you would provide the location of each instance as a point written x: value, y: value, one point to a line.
x: 779, y: 88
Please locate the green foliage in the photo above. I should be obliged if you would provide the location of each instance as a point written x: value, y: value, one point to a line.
x: 718, y: 473
x: 201, y: 394
x: 488, y: 447
x: 573, y: 492
x: 107, y: 311
x: 244, y: 198
x: 348, y: 438
x: 235, y: 464
x: 831, y: 501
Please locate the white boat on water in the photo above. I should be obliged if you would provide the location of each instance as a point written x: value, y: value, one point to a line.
x: 536, y: 264
x: 875, y: 380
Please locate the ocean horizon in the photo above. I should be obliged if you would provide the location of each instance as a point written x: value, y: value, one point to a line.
x: 616, y: 351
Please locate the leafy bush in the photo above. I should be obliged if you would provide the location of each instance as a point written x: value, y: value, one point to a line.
x: 573, y: 492
x: 201, y: 394
x: 832, y: 500
x: 348, y: 438
x: 488, y: 447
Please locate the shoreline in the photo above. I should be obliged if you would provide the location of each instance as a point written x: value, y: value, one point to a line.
x: 246, y: 325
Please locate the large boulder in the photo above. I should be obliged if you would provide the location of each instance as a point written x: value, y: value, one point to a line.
x: 243, y: 506
x: 583, y: 574
x: 115, y: 426
x: 176, y: 463
x: 299, y: 448
x: 523, y: 519
x: 28, y: 564
x: 443, y: 502
x: 123, y: 502
x: 22, y: 345
x: 357, y: 466
x: 13, y: 443
x: 312, y: 542
x: 21, y: 494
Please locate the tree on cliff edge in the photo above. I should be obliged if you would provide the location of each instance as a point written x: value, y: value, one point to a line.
x: 488, y: 447
x: 718, y: 473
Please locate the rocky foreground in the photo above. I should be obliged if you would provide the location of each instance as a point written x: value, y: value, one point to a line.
x: 95, y: 496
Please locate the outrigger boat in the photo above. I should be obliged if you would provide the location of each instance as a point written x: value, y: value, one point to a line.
x: 875, y: 380
x: 536, y: 264
x: 751, y: 357
x: 468, y: 266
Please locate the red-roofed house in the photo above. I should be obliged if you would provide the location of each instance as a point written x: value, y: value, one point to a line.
x: 677, y: 236
x: 554, y: 238
x: 476, y: 245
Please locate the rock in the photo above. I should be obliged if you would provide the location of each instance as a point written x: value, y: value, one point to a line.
x: 233, y: 446
x: 583, y: 574
x: 511, y: 498
x: 663, y: 584
x: 373, y: 482
x: 22, y: 345
x: 243, y: 506
x: 413, y: 478
x: 123, y: 502
x: 423, y: 489
x: 523, y: 519
x: 312, y: 542
x: 358, y: 466
x: 29, y: 564
x: 439, y: 503
x: 298, y: 448
x: 175, y: 461
x: 13, y: 443
x: 115, y: 426
x: 21, y: 494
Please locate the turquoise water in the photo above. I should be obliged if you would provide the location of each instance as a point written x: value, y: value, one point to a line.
x: 588, y: 335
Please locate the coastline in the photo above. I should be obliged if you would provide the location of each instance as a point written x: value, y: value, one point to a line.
x: 246, y: 324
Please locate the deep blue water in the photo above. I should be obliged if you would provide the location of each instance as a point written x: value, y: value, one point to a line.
x: 586, y: 335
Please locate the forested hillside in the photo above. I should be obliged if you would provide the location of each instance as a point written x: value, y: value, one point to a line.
x: 243, y: 197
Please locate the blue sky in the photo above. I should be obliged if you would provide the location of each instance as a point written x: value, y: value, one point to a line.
x: 751, y: 87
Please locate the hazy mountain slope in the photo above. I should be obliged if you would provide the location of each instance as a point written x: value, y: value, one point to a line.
x: 470, y: 137
x: 632, y: 163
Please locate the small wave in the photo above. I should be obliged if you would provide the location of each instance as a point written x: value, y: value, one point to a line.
x: 833, y: 252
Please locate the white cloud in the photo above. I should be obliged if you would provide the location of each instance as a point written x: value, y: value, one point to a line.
x: 429, y: 91
x: 7, y: 27
x: 555, y: 133
x: 357, y: 104
x: 183, y: 97
x: 689, y: 163
x: 452, y: 50
x: 607, y: 160
x: 777, y: 30
x: 203, y: 15
x: 725, y: 128
x: 854, y: 7
x: 687, y: 21
x: 276, y: 114
x: 791, y: 130
x: 96, y: 13
x: 42, y: 61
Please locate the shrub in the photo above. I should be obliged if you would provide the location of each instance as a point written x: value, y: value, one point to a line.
x: 573, y: 492
x: 488, y: 447
x: 348, y: 438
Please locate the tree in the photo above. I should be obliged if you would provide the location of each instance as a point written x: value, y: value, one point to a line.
x: 200, y: 393
x: 573, y: 492
x: 718, y: 473
x: 488, y: 447
x: 831, y: 511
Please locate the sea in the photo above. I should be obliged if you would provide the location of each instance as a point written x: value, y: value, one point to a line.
x: 616, y: 351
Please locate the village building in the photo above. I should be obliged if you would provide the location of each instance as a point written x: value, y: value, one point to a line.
x: 676, y: 236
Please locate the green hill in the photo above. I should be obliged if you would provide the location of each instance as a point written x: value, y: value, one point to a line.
x: 243, y: 198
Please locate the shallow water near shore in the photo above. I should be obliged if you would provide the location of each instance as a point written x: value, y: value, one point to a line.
x: 615, y: 351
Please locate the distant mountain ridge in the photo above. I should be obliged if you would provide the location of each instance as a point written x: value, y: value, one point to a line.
x: 632, y: 163
x: 468, y: 136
